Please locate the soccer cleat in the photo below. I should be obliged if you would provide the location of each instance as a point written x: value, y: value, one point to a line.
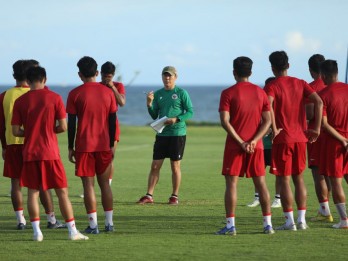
x: 291, y: 227
x: 145, y: 200
x: 38, y: 237
x: 255, y: 203
x: 268, y: 230
x: 173, y: 200
x: 90, y: 230
x: 21, y: 226
x: 56, y: 225
x: 109, y: 228
x: 321, y: 217
x: 77, y: 236
x: 227, y: 231
x: 341, y: 225
x: 302, y: 226
x: 276, y: 203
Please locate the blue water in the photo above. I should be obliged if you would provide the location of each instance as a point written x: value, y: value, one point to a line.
x: 205, y: 103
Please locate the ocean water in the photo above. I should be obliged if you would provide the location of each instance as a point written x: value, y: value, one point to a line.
x: 205, y: 100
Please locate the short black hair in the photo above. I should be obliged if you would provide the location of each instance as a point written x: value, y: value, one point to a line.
x: 108, y: 68
x: 279, y: 60
x: 242, y: 66
x: 36, y: 74
x: 20, y: 68
x: 315, y: 61
x: 87, y: 66
x: 329, y: 68
x: 269, y: 79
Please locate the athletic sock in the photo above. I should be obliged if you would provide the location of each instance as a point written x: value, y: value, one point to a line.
x: 267, y: 219
x: 51, y: 217
x: 20, y: 216
x: 257, y: 196
x: 92, y: 218
x: 109, y: 217
x: 71, y: 226
x: 149, y: 195
x: 289, y: 217
x: 341, y: 209
x: 35, y: 223
x: 277, y: 196
x: 301, y: 216
x: 110, y: 181
x: 230, y: 221
x: 324, y: 208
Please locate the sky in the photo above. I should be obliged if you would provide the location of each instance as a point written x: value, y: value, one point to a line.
x: 200, y: 38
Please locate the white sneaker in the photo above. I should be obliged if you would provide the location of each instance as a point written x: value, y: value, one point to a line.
x: 341, y: 225
x: 291, y: 227
x: 302, y: 226
x: 82, y: 196
x: 255, y: 203
x: 78, y: 236
x: 276, y: 203
x: 38, y: 237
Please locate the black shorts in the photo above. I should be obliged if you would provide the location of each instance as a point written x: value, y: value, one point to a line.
x: 267, y: 154
x: 169, y: 147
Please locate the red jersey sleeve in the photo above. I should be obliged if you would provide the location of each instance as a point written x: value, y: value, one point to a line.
x: 224, y: 102
x: 269, y: 89
x: 265, y: 105
x: 120, y: 87
x: 308, y: 90
x: 70, y: 104
x: 60, y: 111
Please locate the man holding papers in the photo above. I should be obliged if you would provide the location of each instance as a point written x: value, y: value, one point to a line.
x: 175, y: 104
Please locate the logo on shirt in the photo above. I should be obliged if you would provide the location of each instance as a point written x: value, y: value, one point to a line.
x: 161, y: 98
x: 174, y: 96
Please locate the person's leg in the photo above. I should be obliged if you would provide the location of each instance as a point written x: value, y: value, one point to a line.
x: 154, y: 175
x: 90, y: 204
x: 176, y: 176
x: 301, y: 200
x: 112, y: 163
x: 106, y: 197
x: 322, y: 189
x: 287, y: 199
x: 17, y: 203
x: 346, y: 178
x: 34, y: 213
x: 67, y: 212
x: 339, y: 199
x: 276, y: 202
x: 47, y: 202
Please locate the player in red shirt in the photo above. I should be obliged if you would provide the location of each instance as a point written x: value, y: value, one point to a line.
x: 321, y: 182
x: 94, y: 105
x: 38, y: 111
x: 287, y: 99
x: 107, y: 72
x: 334, y: 156
x: 12, y: 147
x: 245, y: 116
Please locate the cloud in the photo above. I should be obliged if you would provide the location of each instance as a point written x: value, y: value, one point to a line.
x: 295, y: 41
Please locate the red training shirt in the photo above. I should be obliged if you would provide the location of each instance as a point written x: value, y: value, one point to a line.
x: 245, y: 102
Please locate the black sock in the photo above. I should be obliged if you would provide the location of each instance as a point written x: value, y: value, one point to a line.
x: 148, y: 194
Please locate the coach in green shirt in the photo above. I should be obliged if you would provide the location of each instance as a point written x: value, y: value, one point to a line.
x: 174, y: 103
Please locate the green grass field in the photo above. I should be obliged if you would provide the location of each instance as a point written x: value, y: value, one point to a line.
x: 163, y: 232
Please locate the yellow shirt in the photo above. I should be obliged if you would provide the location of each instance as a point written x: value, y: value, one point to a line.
x: 11, y: 95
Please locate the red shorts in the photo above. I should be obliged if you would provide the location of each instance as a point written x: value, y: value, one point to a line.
x: 288, y: 159
x: 240, y: 163
x: 90, y: 163
x: 45, y: 174
x: 334, y: 158
x: 13, y: 161
x: 118, y: 131
x: 313, y: 150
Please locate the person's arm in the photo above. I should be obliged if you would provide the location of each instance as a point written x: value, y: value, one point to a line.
x: 61, y: 127
x: 275, y: 130
x: 309, y: 111
x: 2, y: 124
x: 334, y: 133
x: 17, y: 131
x: 112, y: 128
x: 313, y: 134
x: 225, y: 123
x: 120, y: 98
x: 151, y: 106
x: 71, y: 136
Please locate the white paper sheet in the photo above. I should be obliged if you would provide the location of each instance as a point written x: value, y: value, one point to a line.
x: 158, y: 125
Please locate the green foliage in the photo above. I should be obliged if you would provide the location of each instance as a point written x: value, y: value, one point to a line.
x: 163, y: 232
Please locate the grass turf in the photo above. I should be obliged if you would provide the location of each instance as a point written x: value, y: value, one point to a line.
x: 163, y: 232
